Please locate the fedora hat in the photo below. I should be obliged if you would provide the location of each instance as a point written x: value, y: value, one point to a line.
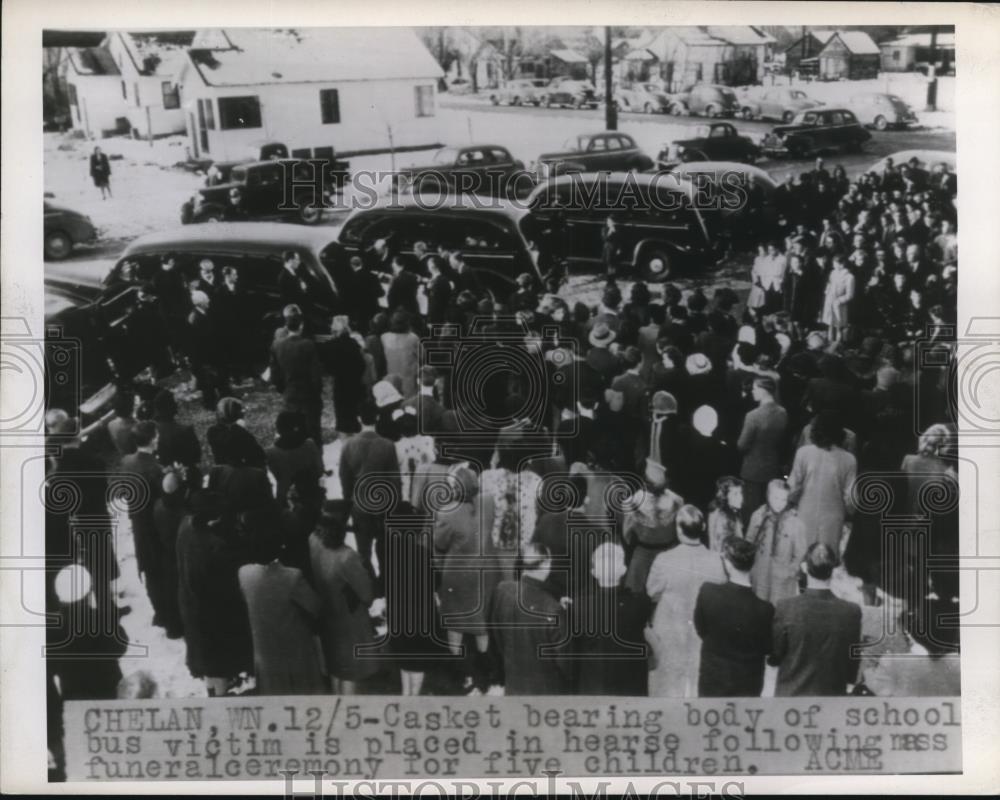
x: 601, y: 335
x: 698, y: 364
x: 664, y: 403
x: 385, y: 394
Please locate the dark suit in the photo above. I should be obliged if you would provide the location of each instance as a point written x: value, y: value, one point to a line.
x: 365, y: 292
x: 735, y: 630
x: 528, y: 619
x: 762, y: 442
x: 366, y: 454
x: 208, y: 362
x: 145, y: 467
x: 176, y: 443
x: 430, y: 413
x: 612, y: 645
x: 438, y: 298
x: 296, y: 373
x: 403, y: 293
x: 811, y: 640
x: 346, y: 363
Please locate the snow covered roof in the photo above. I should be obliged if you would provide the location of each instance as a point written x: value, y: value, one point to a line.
x: 740, y: 34
x: 858, y: 42
x: 921, y: 40
x: 92, y: 61
x: 161, y: 53
x: 569, y: 56
x: 259, y: 56
x: 824, y: 35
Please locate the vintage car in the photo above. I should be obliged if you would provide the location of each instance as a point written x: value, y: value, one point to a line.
x: 590, y: 152
x: 570, y: 93
x: 719, y: 141
x: 496, y: 240
x: 264, y: 187
x: 650, y: 98
x: 817, y: 130
x: 64, y: 228
x: 661, y: 229
x: 707, y: 100
x: 882, y: 111
x: 524, y: 91
x: 774, y: 102
x: 720, y: 180
x: 477, y: 169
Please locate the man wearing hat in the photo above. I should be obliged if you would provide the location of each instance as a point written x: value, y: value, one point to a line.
x: 296, y: 373
x: 665, y: 439
x: 208, y: 359
x: 430, y: 412
x: 402, y: 294
x: 438, y: 292
x: 364, y: 290
x: 599, y: 357
x: 235, y: 211
x: 525, y: 298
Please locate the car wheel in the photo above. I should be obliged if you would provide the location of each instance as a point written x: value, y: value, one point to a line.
x: 881, y: 123
x: 546, y: 102
x: 655, y: 265
x: 710, y: 110
x: 676, y: 109
x: 648, y: 108
x: 58, y: 245
x: 787, y: 117
x: 578, y: 103
x: 515, y: 101
x: 747, y: 113
x: 310, y: 213
x: 212, y: 216
x: 494, y: 99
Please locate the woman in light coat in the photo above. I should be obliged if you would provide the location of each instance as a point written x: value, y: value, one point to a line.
x: 673, y: 584
x: 822, y: 476
x: 401, y: 347
x: 837, y: 299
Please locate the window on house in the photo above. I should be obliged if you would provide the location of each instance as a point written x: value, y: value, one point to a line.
x: 424, y: 96
x: 124, y: 91
x: 71, y: 88
x: 171, y: 95
x: 329, y: 106
x: 895, y: 55
x: 135, y: 88
x: 239, y: 112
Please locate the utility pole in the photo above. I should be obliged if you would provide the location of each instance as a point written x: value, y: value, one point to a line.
x: 610, y: 111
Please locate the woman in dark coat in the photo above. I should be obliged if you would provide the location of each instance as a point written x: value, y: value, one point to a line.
x: 228, y: 435
x: 214, y: 614
x: 168, y: 513
x: 100, y: 171
x: 294, y: 457
x: 346, y: 593
x: 176, y: 442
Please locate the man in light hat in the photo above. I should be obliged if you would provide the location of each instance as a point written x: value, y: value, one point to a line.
x: 599, y: 357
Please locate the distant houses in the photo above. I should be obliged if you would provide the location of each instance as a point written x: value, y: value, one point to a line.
x: 849, y: 55
x: 906, y: 53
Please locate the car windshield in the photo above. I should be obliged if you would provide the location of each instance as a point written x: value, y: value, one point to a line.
x: 446, y: 155
x: 702, y: 131
x: 729, y: 94
x: 573, y: 143
x: 238, y: 175
x: 795, y: 94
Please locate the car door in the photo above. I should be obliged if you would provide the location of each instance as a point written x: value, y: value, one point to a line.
x: 469, y: 170
x: 767, y: 102
x: 720, y: 143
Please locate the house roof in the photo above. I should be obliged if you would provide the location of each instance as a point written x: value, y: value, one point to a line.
x: 857, y: 42
x: 641, y: 54
x: 740, y: 34
x: 161, y: 53
x: 260, y: 56
x: 569, y: 56
x: 921, y: 40
x: 92, y: 61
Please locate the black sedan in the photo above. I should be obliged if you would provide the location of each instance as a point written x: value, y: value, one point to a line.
x: 484, y: 169
x: 817, y: 130
x: 719, y: 141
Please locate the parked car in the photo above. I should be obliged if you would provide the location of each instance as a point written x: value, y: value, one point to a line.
x: 719, y: 141
x: 709, y: 100
x: 495, y: 240
x: 775, y: 102
x: 262, y: 185
x: 64, y: 229
x: 256, y: 253
x: 477, y: 169
x: 589, y: 152
x: 882, y: 111
x: 661, y: 229
x: 816, y: 130
x: 754, y: 187
x: 650, y: 98
x: 570, y: 93
x: 524, y: 91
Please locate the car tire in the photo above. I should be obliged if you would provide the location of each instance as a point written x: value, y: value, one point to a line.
x: 787, y: 117
x: 515, y: 101
x: 709, y: 110
x: 655, y: 264
x: 546, y: 102
x: 310, y: 214
x: 746, y: 113
x: 881, y: 123
x: 578, y: 103
x: 58, y: 245
x: 494, y: 100
x: 212, y: 216
x: 648, y: 108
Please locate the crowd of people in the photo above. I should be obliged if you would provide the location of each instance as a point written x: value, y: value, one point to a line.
x: 648, y: 497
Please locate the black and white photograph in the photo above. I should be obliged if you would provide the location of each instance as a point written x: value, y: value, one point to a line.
x: 608, y: 375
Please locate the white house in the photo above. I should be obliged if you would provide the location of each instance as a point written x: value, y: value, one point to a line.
x: 360, y: 90
x: 726, y: 54
x: 94, y: 86
x: 150, y: 64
